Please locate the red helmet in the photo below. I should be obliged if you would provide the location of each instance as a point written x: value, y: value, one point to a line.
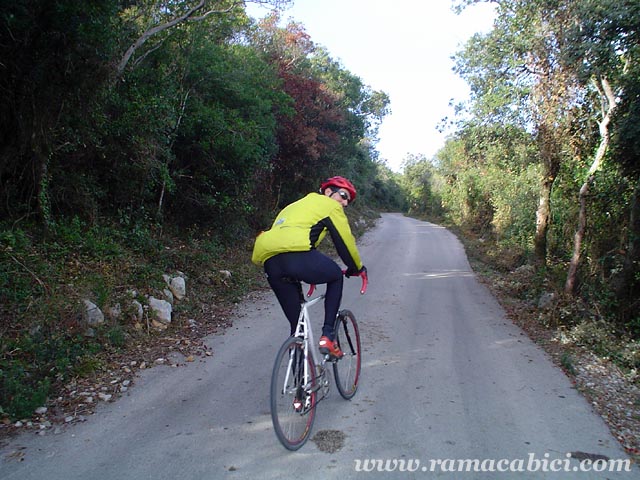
x: 340, y: 182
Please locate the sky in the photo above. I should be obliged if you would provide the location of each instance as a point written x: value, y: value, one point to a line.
x: 404, y: 48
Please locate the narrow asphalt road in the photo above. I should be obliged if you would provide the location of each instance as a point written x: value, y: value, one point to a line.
x: 448, y: 383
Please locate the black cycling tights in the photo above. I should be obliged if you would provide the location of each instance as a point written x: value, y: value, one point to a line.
x: 286, y: 270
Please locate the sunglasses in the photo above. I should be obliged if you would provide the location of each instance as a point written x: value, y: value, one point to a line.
x: 344, y: 195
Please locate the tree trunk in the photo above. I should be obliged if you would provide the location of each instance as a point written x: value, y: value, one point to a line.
x: 40, y: 165
x: 551, y: 165
x: 572, y: 276
x: 608, y: 107
x: 183, y: 107
x: 543, y: 214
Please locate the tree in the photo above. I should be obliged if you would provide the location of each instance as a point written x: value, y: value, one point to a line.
x: 228, y: 132
x: 418, y: 179
x: 331, y: 123
x: 516, y: 76
x: 604, y: 49
x: 54, y: 61
x: 609, y: 101
x: 156, y: 17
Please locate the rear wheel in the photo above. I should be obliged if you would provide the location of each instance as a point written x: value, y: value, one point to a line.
x: 347, y: 369
x: 293, y: 399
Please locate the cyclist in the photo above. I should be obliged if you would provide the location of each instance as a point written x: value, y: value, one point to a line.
x: 288, y: 253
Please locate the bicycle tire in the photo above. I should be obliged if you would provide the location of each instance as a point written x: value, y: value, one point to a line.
x: 347, y: 370
x: 292, y: 425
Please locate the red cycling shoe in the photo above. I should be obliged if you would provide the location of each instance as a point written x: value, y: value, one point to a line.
x: 330, y: 347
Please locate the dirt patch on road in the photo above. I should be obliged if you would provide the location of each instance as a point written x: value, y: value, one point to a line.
x: 329, y: 441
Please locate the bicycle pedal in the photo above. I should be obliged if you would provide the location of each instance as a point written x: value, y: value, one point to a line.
x: 326, y: 387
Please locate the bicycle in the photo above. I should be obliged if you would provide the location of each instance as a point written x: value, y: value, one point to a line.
x: 299, y: 381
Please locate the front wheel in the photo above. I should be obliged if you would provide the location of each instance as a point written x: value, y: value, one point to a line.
x: 293, y: 394
x: 347, y: 370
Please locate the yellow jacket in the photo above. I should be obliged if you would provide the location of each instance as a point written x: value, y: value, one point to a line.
x: 302, y: 225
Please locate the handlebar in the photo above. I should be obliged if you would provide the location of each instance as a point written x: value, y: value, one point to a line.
x: 363, y: 288
x: 365, y: 282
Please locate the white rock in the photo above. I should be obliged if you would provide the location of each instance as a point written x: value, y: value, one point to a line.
x: 168, y: 295
x: 178, y: 287
x: 92, y: 314
x: 162, y: 310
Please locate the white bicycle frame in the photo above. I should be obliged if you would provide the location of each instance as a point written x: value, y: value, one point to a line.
x: 304, y: 331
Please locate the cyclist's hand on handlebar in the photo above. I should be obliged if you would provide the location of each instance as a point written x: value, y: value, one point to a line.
x: 362, y: 273
x: 352, y: 272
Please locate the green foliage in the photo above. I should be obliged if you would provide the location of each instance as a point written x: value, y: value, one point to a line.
x: 87, y: 365
x: 115, y: 336
x: 21, y: 396
x: 420, y: 182
x: 487, y: 181
x: 514, y: 196
x: 14, y: 288
x: 226, y: 135
x: 626, y: 134
x: 136, y: 229
x: 32, y: 363
x: 386, y: 192
x: 606, y: 341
